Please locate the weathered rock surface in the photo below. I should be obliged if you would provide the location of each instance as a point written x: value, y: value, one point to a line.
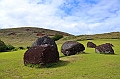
x: 42, y: 54
x: 71, y: 48
x: 91, y: 45
x: 110, y: 44
x: 43, y: 51
x: 104, y: 49
x: 44, y: 40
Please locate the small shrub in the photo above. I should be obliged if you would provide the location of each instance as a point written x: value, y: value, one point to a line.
x: 28, y: 47
x: 57, y: 37
x: 22, y: 48
x: 65, y: 39
x: 3, y: 47
x: 89, y: 39
x: 10, y: 47
x: 15, y: 49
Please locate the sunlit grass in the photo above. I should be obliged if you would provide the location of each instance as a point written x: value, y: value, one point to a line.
x: 81, y: 66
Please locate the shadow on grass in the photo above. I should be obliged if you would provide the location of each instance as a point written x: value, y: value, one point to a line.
x: 75, y: 54
x: 84, y: 53
x: 107, y: 54
x: 60, y: 63
x: 111, y: 54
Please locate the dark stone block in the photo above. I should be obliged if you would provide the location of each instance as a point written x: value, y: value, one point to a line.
x: 42, y: 54
x: 110, y: 44
x: 104, y: 49
x: 71, y: 48
x: 44, y: 40
x: 91, y: 45
x: 43, y: 51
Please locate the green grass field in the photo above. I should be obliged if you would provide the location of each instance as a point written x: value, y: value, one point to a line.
x: 81, y: 66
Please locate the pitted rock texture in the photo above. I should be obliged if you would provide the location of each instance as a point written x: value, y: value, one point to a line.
x: 104, y: 49
x: 43, y: 54
x: 91, y: 45
x: 44, y: 40
x: 71, y: 48
x: 110, y: 44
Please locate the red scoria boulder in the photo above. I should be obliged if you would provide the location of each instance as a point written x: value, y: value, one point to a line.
x: 104, y: 49
x: 42, y: 54
x: 72, y: 48
x: 91, y: 45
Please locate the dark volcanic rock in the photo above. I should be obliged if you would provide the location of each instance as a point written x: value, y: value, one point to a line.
x: 43, y: 51
x: 43, y: 54
x: 104, y: 49
x: 91, y: 45
x: 44, y: 40
x: 12, y: 34
x: 110, y: 44
x: 71, y: 48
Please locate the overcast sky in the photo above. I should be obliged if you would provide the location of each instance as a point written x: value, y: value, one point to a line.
x: 72, y: 16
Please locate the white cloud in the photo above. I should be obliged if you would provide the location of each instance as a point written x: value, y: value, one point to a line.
x: 72, y: 16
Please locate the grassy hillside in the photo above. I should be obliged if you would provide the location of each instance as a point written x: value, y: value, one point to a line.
x: 81, y: 66
x: 112, y: 35
x: 26, y: 36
